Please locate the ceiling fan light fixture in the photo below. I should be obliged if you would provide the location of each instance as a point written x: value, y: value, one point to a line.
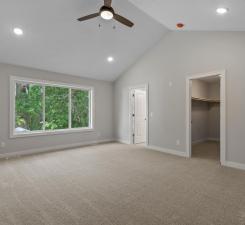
x: 106, y: 14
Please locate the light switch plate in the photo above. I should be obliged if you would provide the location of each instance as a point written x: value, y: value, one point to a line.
x: 2, y: 144
x: 177, y: 142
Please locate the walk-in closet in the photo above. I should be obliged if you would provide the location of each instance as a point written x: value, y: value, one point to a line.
x: 205, y: 118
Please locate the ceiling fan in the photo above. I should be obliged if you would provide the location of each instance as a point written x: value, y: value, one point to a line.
x: 107, y: 13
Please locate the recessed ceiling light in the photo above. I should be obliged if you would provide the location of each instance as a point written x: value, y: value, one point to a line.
x: 110, y: 59
x: 18, y: 31
x: 221, y: 11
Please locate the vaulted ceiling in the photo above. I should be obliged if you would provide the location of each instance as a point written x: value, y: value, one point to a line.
x: 197, y: 15
x: 54, y: 40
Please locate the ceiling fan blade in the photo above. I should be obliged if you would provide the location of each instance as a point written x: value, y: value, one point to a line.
x: 123, y: 20
x: 107, y: 3
x: 88, y: 17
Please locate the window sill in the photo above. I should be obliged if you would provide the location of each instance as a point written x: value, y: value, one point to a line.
x: 53, y: 132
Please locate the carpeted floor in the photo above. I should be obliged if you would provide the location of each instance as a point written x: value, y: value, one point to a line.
x: 116, y: 184
x: 207, y: 150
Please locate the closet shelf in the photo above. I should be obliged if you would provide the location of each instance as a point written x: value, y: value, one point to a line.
x: 206, y: 100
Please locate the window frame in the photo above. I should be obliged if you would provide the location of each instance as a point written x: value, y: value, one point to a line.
x: 14, y: 80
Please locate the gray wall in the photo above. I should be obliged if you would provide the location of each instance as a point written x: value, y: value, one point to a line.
x: 203, y: 89
x: 177, y: 56
x: 214, y: 121
x: 205, y: 121
x: 200, y: 89
x: 200, y: 121
x: 103, y: 111
x: 214, y: 90
x: 214, y: 112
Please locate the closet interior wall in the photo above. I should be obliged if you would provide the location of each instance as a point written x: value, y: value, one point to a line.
x: 205, y: 111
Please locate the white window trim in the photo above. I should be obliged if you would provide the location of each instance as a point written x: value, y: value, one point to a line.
x: 13, y: 134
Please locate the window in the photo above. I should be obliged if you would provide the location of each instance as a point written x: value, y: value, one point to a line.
x: 56, y: 108
x: 41, y: 107
x: 28, y: 107
x: 80, y: 108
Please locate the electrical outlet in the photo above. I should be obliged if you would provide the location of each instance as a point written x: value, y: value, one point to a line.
x: 177, y: 142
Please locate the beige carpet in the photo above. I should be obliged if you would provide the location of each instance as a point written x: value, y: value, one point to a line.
x: 206, y: 150
x: 116, y: 184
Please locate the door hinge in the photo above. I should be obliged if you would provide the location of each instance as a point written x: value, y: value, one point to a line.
x: 133, y: 115
x: 133, y: 135
x: 133, y: 95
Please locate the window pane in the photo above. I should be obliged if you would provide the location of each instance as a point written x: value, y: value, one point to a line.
x: 56, y: 108
x: 80, y: 108
x: 28, y: 107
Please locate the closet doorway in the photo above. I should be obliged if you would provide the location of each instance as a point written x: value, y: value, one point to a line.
x: 206, y: 116
x: 139, y: 115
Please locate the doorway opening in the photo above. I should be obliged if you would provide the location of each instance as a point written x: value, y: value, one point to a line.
x: 139, y: 115
x: 206, y: 116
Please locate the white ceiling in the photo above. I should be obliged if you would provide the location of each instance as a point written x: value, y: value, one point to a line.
x: 211, y: 79
x: 53, y: 40
x: 197, y: 15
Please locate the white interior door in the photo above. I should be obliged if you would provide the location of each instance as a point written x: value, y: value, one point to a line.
x: 140, y: 116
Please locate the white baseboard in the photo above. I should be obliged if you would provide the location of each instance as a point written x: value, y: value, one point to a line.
x: 231, y: 164
x: 234, y: 165
x: 206, y: 139
x: 213, y: 139
x: 168, y: 151
x: 199, y: 141
x: 123, y: 141
x: 159, y: 149
x: 52, y: 149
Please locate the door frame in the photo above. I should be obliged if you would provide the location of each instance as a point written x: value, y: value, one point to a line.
x: 131, y: 130
x: 222, y: 75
